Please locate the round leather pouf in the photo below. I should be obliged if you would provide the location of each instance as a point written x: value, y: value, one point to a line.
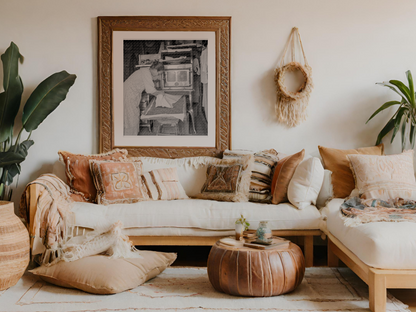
x: 14, y: 246
x: 255, y: 273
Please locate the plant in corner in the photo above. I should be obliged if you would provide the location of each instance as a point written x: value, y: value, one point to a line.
x: 404, y: 119
x: 44, y: 100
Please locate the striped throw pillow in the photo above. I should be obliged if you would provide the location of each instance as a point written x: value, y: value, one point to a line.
x: 167, y: 183
x: 262, y: 172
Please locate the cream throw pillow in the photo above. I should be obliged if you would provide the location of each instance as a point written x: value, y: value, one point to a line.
x: 384, y: 177
x: 104, y: 275
x: 306, y: 183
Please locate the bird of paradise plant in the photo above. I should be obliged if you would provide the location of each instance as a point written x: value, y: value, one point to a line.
x: 44, y: 100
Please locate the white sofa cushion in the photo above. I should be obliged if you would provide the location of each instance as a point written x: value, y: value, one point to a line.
x: 383, y: 245
x: 306, y: 183
x: 195, y: 213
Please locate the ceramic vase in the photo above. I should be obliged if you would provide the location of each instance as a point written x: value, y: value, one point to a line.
x: 264, y: 233
x: 14, y: 246
x: 239, y: 229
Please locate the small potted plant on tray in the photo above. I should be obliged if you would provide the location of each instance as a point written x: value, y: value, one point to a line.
x: 241, y: 225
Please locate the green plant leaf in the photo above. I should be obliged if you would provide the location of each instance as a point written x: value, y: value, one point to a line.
x: 10, y: 158
x: 403, y: 89
x: 10, y: 172
x: 411, y: 88
x: 384, y: 84
x: 46, y: 98
x: 13, y: 89
x: 403, y: 132
x: 412, y: 135
x: 387, y: 128
x: 383, y: 107
x: 398, y: 120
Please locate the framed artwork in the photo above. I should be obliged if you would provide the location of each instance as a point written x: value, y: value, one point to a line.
x: 164, y: 85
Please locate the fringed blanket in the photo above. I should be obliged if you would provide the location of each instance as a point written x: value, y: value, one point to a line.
x: 356, y: 211
x: 51, y: 226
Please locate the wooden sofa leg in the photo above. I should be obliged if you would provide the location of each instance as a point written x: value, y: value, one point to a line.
x: 377, y: 291
x: 333, y: 260
x: 308, y: 248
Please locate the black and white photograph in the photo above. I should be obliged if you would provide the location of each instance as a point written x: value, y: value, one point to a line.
x: 165, y: 87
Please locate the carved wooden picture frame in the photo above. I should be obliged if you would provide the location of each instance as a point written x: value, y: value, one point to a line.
x: 114, y: 33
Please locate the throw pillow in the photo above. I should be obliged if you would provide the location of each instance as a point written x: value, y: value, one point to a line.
x: 77, y: 169
x: 118, y: 182
x: 262, y: 172
x: 104, y: 275
x: 283, y: 174
x: 167, y: 184
x: 336, y: 160
x: 306, y: 183
x: 326, y: 193
x: 384, y: 177
x: 228, y: 180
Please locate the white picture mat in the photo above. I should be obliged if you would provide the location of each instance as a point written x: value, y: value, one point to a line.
x: 118, y: 73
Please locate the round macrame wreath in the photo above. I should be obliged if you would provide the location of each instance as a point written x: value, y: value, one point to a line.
x: 291, y: 106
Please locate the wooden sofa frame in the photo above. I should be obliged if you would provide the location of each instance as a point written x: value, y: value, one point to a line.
x: 378, y: 280
x: 191, y: 240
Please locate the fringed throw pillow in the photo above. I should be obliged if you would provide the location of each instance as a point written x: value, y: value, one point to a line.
x: 118, y: 182
x: 77, y: 170
x: 163, y: 184
x: 228, y: 180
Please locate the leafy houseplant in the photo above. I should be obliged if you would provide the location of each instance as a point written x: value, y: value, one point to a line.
x: 405, y: 114
x: 43, y: 101
x: 243, y: 222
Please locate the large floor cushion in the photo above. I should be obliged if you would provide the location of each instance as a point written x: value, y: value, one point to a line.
x: 195, y: 213
x: 383, y: 245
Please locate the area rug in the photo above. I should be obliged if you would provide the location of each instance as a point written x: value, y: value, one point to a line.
x: 188, y: 289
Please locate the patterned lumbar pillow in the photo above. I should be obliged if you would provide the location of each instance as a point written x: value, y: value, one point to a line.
x: 228, y: 180
x: 77, y: 170
x: 262, y: 172
x: 163, y: 184
x: 384, y: 177
x: 118, y: 182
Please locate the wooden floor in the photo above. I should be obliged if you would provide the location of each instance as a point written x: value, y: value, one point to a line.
x: 197, y: 256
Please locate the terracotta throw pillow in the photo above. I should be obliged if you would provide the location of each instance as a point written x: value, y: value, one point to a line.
x: 77, y: 170
x: 118, y: 182
x: 336, y: 161
x: 283, y: 174
x: 384, y: 177
x: 228, y: 180
x: 104, y: 275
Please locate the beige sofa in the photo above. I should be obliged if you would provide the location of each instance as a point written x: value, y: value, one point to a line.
x: 191, y: 221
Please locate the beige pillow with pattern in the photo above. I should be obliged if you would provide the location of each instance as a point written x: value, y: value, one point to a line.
x: 384, y: 177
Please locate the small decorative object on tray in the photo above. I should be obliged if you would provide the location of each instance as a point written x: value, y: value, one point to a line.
x: 264, y: 233
x: 241, y: 225
x: 275, y: 242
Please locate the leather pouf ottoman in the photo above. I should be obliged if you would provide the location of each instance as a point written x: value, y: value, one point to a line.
x: 255, y: 273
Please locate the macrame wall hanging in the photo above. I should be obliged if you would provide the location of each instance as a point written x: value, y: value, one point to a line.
x: 291, y: 105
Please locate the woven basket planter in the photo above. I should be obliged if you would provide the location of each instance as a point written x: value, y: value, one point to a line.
x: 14, y: 246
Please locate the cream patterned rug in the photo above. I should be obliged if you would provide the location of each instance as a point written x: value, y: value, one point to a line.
x: 188, y: 289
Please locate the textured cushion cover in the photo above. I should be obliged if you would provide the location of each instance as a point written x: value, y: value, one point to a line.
x: 283, y: 174
x: 228, y: 180
x: 103, y: 275
x: 336, y: 160
x: 384, y: 177
x: 383, y: 245
x: 77, y: 169
x: 167, y: 183
x: 306, y: 183
x: 195, y: 213
x: 118, y: 181
x: 261, y: 174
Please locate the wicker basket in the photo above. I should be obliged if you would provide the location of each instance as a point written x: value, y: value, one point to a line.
x: 14, y: 246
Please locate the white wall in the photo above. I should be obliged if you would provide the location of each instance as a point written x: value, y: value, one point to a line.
x: 350, y: 46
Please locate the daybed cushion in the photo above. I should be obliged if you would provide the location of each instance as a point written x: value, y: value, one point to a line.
x: 383, y: 245
x: 195, y: 213
x: 103, y: 275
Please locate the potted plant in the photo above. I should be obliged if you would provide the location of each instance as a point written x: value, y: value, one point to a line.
x: 404, y: 119
x: 13, y: 150
x: 241, y: 225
